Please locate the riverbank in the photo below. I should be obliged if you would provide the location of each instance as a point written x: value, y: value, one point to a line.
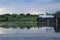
x: 15, y: 21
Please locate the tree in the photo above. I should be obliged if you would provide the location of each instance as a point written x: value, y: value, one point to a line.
x: 14, y: 15
x: 28, y: 14
x: 7, y: 14
x: 22, y: 14
x: 57, y: 14
x: 48, y: 13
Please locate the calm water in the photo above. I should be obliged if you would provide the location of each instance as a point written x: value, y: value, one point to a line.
x: 42, y: 33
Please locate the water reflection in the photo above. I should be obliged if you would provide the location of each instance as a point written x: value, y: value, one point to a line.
x: 25, y: 30
x: 8, y: 31
x: 35, y: 33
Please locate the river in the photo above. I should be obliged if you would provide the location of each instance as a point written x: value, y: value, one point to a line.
x: 42, y: 33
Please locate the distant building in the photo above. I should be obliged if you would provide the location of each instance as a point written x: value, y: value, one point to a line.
x: 49, y: 20
x: 45, y: 20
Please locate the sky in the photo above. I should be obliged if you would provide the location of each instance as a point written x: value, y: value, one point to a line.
x: 29, y: 6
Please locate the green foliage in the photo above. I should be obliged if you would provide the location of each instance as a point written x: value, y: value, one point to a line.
x: 21, y: 20
x: 58, y: 12
x: 28, y: 14
x: 50, y: 14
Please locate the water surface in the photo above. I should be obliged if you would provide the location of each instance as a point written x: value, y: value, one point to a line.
x: 42, y: 33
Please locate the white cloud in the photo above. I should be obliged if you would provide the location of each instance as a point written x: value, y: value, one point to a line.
x: 2, y: 10
x: 52, y: 7
x: 31, y: 8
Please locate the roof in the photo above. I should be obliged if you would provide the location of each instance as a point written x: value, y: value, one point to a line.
x: 47, y: 16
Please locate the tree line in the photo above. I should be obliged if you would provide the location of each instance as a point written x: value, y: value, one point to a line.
x: 16, y: 17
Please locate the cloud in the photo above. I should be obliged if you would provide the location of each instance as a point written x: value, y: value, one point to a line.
x: 2, y: 10
x: 5, y: 10
x: 52, y: 7
x: 37, y: 9
x: 29, y: 6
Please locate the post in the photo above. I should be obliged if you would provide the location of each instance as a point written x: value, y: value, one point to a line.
x: 56, y: 23
x: 47, y: 22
